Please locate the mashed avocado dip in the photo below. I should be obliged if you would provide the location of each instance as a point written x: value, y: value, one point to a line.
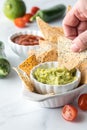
x: 55, y: 76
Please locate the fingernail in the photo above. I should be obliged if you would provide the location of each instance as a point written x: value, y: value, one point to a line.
x: 75, y: 48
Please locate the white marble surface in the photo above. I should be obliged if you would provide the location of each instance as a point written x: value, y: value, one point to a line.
x: 16, y: 113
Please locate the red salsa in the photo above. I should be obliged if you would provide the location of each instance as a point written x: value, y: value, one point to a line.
x: 27, y: 39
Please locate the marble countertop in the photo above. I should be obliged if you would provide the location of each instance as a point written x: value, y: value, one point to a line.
x: 17, y: 113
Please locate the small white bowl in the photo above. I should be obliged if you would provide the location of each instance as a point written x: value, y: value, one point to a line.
x: 45, y: 88
x: 53, y: 101
x: 22, y: 50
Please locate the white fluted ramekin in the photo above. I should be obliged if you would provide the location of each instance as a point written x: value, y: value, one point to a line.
x: 53, y: 101
x: 45, y: 88
x: 21, y: 50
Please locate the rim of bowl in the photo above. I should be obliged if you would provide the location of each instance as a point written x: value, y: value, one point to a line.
x: 46, y: 97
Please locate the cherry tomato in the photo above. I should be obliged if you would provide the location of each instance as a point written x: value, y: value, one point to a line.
x: 27, y: 17
x: 82, y: 101
x: 19, y: 22
x: 34, y: 10
x: 69, y: 112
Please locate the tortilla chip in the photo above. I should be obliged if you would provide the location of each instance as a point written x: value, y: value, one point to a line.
x: 50, y: 55
x: 68, y: 58
x: 84, y: 77
x: 31, y: 52
x: 44, y: 43
x: 69, y: 8
x: 50, y: 33
x: 59, y: 30
x: 28, y: 64
x: 25, y: 79
x: 47, y: 44
x: 83, y: 69
x: 83, y: 66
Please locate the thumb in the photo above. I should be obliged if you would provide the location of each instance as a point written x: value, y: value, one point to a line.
x: 80, y: 42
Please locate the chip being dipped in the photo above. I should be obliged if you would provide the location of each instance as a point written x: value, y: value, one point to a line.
x: 67, y: 57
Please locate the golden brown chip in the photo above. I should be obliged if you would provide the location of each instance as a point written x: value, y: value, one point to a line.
x: 50, y: 55
x: 83, y: 68
x: 59, y: 30
x: 25, y: 79
x: 50, y: 33
x: 83, y: 65
x: 69, y: 8
x: 84, y: 76
x: 28, y: 64
x: 68, y: 58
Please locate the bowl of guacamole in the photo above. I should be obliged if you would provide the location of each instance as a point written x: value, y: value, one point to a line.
x: 48, y: 77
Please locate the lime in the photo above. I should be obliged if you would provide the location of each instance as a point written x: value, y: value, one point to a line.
x: 14, y: 8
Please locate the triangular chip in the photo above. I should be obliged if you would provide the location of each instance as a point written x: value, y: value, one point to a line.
x: 25, y: 79
x: 59, y: 30
x: 69, y: 8
x: 84, y: 77
x: 83, y: 69
x: 68, y: 58
x: 47, y: 56
x: 50, y: 33
x: 28, y: 64
x: 44, y: 43
x: 51, y: 55
x: 47, y: 44
x: 31, y: 52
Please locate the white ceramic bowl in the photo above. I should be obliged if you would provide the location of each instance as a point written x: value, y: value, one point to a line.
x: 21, y: 50
x: 45, y: 88
x: 53, y: 101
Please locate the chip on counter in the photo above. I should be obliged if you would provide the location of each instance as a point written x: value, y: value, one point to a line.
x: 28, y: 64
x: 68, y: 58
x: 50, y: 33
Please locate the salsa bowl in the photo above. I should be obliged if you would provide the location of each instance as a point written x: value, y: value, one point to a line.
x: 43, y: 88
x: 22, y: 49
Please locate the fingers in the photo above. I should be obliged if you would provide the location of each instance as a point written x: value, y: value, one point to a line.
x: 70, y: 19
x: 82, y: 27
x: 75, y: 26
x: 80, y: 10
x: 70, y: 23
x: 79, y: 14
x: 80, y: 42
x: 70, y: 32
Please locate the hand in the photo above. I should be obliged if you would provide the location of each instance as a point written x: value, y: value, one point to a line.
x: 75, y: 26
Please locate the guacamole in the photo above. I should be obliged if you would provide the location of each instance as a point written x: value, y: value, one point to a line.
x: 55, y: 76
